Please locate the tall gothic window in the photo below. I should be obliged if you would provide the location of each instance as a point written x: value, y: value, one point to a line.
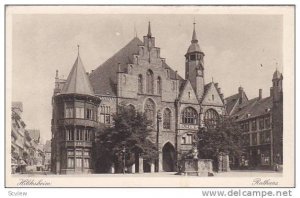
x: 189, y: 116
x: 211, y: 118
x: 167, y: 119
x: 149, y: 109
x: 159, y: 85
x: 149, y: 82
x: 140, y: 83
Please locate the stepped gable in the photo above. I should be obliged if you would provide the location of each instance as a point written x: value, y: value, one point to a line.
x: 104, y: 78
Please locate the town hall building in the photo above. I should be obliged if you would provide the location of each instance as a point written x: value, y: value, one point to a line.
x: 138, y: 77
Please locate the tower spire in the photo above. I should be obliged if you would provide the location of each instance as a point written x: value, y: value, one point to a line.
x: 149, y: 30
x: 194, y: 37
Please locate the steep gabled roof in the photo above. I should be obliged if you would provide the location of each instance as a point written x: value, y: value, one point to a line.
x: 104, y: 78
x: 231, y: 102
x: 253, y: 108
x: 78, y: 81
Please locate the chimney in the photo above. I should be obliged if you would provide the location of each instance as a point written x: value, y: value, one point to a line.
x: 260, y: 94
x: 241, y: 90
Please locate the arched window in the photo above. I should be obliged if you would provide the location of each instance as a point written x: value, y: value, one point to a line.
x: 189, y: 116
x: 140, y: 83
x: 167, y: 119
x: 211, y: 118
x: 149, y: 83
x: 158, y: 85
x: 149, y: 109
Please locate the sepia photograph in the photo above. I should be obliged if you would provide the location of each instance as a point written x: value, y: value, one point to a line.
x: 149, y: 96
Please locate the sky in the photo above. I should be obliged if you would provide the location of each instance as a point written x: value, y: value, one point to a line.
x: 240, y: 50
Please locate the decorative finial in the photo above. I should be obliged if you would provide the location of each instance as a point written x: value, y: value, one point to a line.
x: 212, y: 79
x: 149, y: 30
x: 56, y: 75
x: 194, y: 37
x: 78, y: 49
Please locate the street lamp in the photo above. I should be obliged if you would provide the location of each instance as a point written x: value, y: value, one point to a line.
x: 158, y: 120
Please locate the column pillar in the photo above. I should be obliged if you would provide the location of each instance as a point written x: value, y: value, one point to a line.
x: 160, y: 162
x: 152, y: 167
x: 141, y: 165
x: 112, y: 169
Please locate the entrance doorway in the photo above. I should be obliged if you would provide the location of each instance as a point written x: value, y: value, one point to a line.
x: 168, y: 157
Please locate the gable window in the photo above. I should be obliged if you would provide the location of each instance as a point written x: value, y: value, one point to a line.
x: 189, y: 116
x: 211, y: 118
x: 149, y: 82
x: 167, y: 119
x: 149, y: 110
x: 158, y: 86
x: 140, y: 83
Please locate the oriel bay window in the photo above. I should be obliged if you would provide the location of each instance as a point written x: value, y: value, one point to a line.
x: 79, y: 112
x: 189, y: 116
x: 89, y: 114
x: 69, y: 112
x: 69, y: 134
x: 87, y: 135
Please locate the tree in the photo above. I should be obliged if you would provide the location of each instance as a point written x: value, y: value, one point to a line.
x: 130, y: 132
x: 224, y: 137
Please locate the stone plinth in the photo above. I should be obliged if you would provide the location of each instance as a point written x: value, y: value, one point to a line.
x: 197, y: 167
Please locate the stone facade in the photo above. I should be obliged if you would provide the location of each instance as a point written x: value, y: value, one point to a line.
x: 138, y: 76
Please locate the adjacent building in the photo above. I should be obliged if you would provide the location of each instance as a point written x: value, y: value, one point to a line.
x: 26, y: 149
x: 136, y: 76
x: 261, y: 120
x: 47, y: 152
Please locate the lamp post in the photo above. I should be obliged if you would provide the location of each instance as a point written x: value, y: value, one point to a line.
x: 158, y: 120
